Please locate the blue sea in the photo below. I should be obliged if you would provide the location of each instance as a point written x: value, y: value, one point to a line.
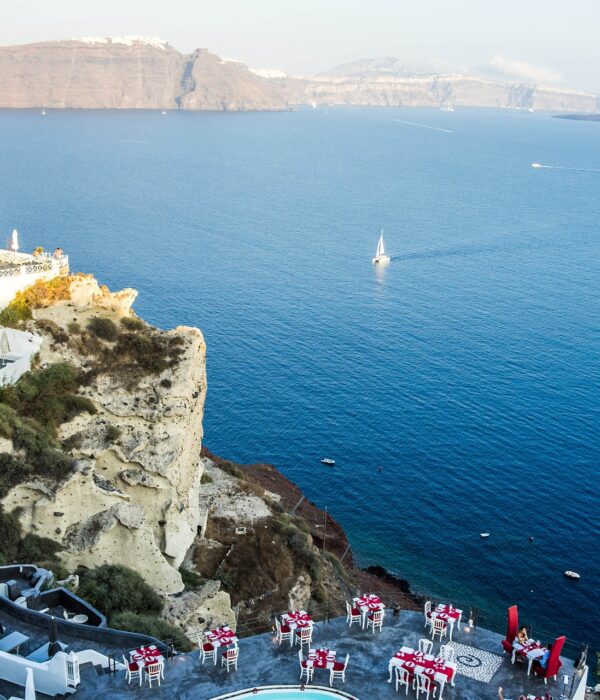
x: 458, y: 388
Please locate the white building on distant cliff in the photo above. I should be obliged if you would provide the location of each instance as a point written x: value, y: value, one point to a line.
x: 21, y: 270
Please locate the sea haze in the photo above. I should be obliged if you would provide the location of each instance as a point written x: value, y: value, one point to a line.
x: 468, y: 370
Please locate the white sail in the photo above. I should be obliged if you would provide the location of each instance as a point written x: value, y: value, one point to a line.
x: 380, y: 247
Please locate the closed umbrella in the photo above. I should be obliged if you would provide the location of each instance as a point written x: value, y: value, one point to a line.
x: 14, y: 241
x: 53, y: 645
x: 29, y: 686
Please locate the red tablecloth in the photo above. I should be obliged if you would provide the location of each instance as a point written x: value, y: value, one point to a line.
x: 221, y: 637
x: 371, y: 601
x: 412, y: 659
x: 445, y: 612
x: 321, y: 658
x: 146, y: 655
x: 297, y: 618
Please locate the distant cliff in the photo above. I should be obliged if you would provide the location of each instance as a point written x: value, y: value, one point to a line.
x: 128, y: 73
x: 148, y: 73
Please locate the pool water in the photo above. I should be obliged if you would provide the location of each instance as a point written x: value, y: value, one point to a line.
x: 289, y: 693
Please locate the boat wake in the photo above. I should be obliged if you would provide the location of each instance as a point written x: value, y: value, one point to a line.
x: 424, y: 126
x: 466, y: 247
x: 563, y: 167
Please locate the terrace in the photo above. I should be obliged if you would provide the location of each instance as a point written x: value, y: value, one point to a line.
x: 482, y: 666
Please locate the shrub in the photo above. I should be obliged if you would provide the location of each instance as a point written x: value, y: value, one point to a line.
x: 53, y: 329
x: 113, y: 589
x: 206, y: 478
x: 231, y: 469
x: 12, y: 471
x: 190, y: 578
x: 103, y: 328
x: 131, y: 323
x: 12, y: 317
x: 43, y: 293
x: 337, y: 564
x: 153, y: 626
x: 10, y: 535
x: 73, y: 327
x: 113, y: 433
x: 34, y: 549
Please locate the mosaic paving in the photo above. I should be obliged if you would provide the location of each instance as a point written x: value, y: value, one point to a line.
x: 476, y: 663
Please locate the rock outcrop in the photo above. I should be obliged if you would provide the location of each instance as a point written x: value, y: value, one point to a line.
x: 134, y: 496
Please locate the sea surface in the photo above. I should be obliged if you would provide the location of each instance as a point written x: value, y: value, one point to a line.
x: 458, y: 388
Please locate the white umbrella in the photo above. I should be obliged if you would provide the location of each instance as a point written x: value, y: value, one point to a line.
x: 29, y: 687
x: 14, y: 241
x: 4, y: 345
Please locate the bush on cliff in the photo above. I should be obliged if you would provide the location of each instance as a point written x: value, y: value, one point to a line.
x: 115, y: 589
x: 153, y: 626
x: 103, y: 328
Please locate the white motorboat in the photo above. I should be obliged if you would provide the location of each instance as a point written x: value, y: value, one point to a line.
x: 328, y: 462
x: 573, y: 575
x: 380, y: 257
x: 485, y: 535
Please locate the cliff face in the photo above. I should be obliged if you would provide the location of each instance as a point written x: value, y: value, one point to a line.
x: 133, y: 498
x: 436, y: 91
x: 127, y: 73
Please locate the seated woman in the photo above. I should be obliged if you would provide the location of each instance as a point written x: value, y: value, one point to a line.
x: 522, y: 635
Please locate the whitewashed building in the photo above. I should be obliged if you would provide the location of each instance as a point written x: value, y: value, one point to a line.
x: 17, y: 349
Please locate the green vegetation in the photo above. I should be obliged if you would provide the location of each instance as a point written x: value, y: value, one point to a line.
x: 47, y: 396
x: 114, y: 589
x: 230, y: 468
x: 190, y: 578
x: 53, y: 329
x: 206, y: 478
x: 73, y: 327
x: 153, y: 626
x: 131, y: 323
x: 30, y: 549
x: 128, y: 602
x: 41, y: 293
x: 103, y: 328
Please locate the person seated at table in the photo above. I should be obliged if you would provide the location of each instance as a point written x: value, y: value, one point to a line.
x: 522, y: 635
x: 501, y: 695
x: 543, y: 662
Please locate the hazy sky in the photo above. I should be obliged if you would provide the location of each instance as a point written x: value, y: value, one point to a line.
x: 544, y: 41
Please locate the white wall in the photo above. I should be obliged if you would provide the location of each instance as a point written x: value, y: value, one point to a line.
x: 11, y: 284
x: 49, y: 677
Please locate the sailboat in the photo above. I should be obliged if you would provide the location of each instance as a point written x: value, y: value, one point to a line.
x: 43, y: 111
x: 380, y: 256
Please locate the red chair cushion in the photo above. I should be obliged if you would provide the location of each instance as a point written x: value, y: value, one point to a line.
x: 133, y: 666
x: 338, y: 666
x: 356, y: 611
x: 207, y: 646
x: 285, y: 628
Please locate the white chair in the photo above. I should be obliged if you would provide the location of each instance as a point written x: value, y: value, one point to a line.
x: 423, y: 684
x: 438, y: 627
x: 229, y: 658
x: 427, y: 612
x: 375, y: 620
x: 305, y: 668
x: 403, y: 678
x: 283, y: 632
x: 447, y: 653
x: 440, y: 680
x: 207, y: 651
x: 153, y: 673
x: 425, y: 645
x: 133, y: 671
x: 338, y: 670
x: 303, y: 635
x: 352, y: 615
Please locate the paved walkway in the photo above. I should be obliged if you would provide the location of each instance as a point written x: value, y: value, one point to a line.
x: 483, y: 667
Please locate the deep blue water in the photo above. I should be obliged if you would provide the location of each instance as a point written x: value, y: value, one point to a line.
x: 468, y: 370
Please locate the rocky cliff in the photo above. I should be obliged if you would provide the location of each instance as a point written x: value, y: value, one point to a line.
x: 128, y: 73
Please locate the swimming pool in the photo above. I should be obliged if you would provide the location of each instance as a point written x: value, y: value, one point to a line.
x: 288, y: 692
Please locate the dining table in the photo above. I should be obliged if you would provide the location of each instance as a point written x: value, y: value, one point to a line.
x: 531, y: 650
x: 147, y: 655
x: 449, y: 614
x: 297, y: 619
x: 321, y: 658
x: 221, y: 636
x: 367, y: 604
x: 434, y: 667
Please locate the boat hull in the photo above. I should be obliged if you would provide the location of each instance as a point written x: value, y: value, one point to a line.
x: 381, y: 260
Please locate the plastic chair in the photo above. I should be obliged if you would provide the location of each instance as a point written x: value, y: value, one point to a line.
x: 305, y: 668
x: 352, y: 615
x: 447, y: 653
x: 303, y: 635
x: 229, y: 658
x: 338, y: 670
x: 375, y: 620
x: 283, y: 632
x: 207, y: 651
x: 132, y: 671
x: 403, y: 677
x: 425, y: 645
x: 439, y: 627
x: 153, y: 673
x: 423, y: 685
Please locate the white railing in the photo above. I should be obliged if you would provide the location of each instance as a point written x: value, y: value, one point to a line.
x: 10, y: 271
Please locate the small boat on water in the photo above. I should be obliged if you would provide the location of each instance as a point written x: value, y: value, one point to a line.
x: 43, y: 111
x: 380, y: 257
x: 572, y: 574
x: 328, y: 462
x: 484, y: 535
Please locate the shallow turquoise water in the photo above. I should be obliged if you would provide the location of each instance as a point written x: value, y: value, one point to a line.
x: 467, y: 370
